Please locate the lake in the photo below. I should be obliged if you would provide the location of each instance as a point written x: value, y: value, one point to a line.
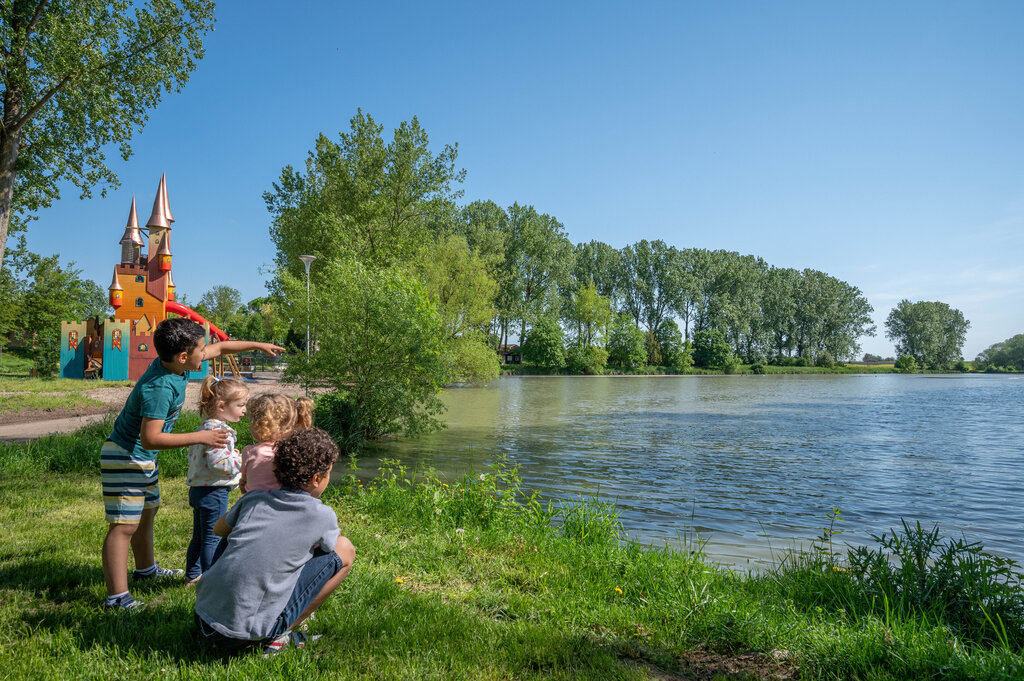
x: 752, y: 464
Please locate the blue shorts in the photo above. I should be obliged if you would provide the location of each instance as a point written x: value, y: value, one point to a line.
x: 315, y: 574
x: 130, y: 484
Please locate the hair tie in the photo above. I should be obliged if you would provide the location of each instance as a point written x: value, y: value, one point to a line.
x: 215, y: 378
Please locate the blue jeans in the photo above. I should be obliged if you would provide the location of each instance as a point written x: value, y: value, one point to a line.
x: 315, y: 574
x: 208, y: 504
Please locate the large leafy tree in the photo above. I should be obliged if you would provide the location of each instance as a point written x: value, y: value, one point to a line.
x: 222, y: 303
x: 458, y: 283
x: 49, y: 294
x: 931, y: 332
x: 364, y: 197
x: 587, y: 314
x: 77, y: 77
x: 597, y: 263
x: 659, y: 279
x: 537, y: 263
x: 626, y: 342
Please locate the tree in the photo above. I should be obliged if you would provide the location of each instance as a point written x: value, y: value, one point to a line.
x: 626, y: 342
x: 362, y: 197
x: 587, y: 313
x: 458, y: 283
x: 223, y: 304
x: 543, y: 344
x: 381, y: 346
x: 933, y: 333
x: 538, y: 261
x: 597, y: 263
x: 658, y: 279
x: 711, y: 350
x: 79, y: 77
x: 53, y: 294
x: 1009, y: 354
x: 676, y: 353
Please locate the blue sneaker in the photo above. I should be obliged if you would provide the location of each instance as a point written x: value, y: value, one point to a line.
x: 158, y: 573
x: 126, y: 603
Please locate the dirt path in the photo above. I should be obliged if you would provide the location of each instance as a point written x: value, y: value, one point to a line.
x: 36, y: 423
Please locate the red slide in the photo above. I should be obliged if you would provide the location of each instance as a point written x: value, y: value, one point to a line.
x: 188, y: 313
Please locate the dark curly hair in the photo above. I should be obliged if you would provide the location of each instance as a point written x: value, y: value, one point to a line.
x: 176, y: 335
x: 303, y: 454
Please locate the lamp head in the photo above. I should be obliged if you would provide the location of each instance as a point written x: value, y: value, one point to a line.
x: 306, y: 260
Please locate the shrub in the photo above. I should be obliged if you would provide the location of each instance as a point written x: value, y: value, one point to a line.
x: 710, y: 349
x: 961, y: 366
x: 906, y: 364
x: 757, y: 368
x: 590, y: 361
x: 543, y: 344
x: 336, y: 414
x: 955, y: 582
x: 825, y: 360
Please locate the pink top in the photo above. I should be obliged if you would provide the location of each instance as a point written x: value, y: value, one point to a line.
x: 258, y: 466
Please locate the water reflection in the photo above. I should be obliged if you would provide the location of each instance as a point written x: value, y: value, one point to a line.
x: 751, y: 462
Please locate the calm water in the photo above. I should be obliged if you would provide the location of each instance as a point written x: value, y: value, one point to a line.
x: 752, y: 463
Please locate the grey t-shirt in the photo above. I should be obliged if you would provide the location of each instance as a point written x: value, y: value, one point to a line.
x: 273, y: 534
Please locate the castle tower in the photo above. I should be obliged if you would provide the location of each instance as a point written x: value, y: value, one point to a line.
x: 116, y: 292
x: 164, y: 254
x: 159, y: 232
x: 167, y: 203
x: 131, y: 242
x: 170, y: 287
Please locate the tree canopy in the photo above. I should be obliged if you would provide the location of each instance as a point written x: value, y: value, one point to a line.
x: 1008, y: 354
x: 931, y: 332
x: 79, y: 76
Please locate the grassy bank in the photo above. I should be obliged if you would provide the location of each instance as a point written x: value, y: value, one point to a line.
x: 531, y: 370
x: 474, y: 580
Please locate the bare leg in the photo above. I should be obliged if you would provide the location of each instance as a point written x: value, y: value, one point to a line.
x: 347, y: 553
x: 115, y: 557
x: 142, y: 540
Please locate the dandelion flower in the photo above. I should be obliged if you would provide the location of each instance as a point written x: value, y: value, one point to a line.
x: 360, y: 485
x: 444, y: 484
x: 399, y: 580
x: 460, y: 531
x: 618, y: 591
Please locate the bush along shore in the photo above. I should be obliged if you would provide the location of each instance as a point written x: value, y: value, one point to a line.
x: 477, y: 579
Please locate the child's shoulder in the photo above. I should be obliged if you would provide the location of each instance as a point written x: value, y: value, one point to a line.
x: 212, y: 424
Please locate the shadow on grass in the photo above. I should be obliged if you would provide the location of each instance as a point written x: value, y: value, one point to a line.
x: 364, y: 626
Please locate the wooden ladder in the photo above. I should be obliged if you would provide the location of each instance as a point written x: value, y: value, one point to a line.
x: 218, y: 366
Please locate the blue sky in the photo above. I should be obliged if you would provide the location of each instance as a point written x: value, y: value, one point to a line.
x: 879, y: 142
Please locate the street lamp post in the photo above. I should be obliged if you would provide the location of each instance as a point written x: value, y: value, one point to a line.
x: 306, y: 260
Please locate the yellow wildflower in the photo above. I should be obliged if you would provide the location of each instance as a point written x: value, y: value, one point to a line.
x: 618, y: 591
x: 399, y: 580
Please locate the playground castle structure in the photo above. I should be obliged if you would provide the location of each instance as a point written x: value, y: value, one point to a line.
x: 142, y: 295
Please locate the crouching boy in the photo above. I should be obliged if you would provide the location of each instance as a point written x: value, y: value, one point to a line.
x: 283, y: 556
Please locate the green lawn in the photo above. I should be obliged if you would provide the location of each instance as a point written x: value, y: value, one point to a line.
x: 35, y: 401
x: 456, y: 580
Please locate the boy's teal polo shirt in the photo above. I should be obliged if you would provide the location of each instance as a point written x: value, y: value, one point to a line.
x: 159, y: 394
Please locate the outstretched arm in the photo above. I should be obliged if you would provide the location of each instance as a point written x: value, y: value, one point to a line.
x: 231, y: 347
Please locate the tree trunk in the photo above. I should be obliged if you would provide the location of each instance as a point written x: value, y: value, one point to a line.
x: 10, y: 143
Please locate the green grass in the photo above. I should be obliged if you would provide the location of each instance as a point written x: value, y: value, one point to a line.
x: 55, y: 385
x: 12, y: 363
x: 469, y: 579
x: 22, y: 402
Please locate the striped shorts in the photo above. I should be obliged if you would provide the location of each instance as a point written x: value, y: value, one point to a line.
x: 130, y: 484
